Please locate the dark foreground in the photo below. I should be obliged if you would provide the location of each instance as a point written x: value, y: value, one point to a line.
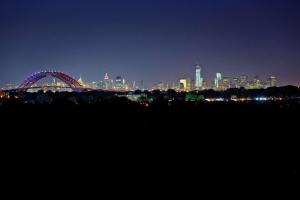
x: 253, y: 144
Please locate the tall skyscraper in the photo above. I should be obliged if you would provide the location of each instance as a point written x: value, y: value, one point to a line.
x: 218, y: 80
x: 118, y: 83
x: 124, y: 84
x: 106, y: 81
x: 199, y: 79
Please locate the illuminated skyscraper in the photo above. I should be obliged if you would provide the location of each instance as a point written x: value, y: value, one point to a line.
x: 106, y: 76
x: 80, y: 80
x: 160, y: 86
x: 273, y: 81
x: 205, y: 85
x: 218, y: 80
x: 199, y: 79
x: 94, y: 85
x: 111, y: 84
x: 236, y: 82
x: 124, y: 84
x: 134, y: 86
x: 101, y: 85
x: 119, y: 83
x: 185, y: 84
x: 106, y: 81
x: 225, y: 83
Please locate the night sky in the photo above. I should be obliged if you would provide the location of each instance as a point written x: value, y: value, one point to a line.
x: 150, y: 40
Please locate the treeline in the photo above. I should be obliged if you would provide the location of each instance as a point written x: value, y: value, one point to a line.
x: 280, y: 92
x: 102, y: 97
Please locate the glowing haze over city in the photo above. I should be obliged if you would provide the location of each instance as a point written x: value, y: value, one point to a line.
x: 151, y: 42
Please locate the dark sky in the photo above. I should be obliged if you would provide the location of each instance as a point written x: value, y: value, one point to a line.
x: 150, y: 40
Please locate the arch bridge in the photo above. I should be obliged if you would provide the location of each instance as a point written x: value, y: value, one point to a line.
x: 31, y: 80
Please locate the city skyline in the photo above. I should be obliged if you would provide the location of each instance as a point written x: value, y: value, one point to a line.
x: 120, y: 83
x: 193, y: 77
x: 206, y: 91
x: 150, y: 41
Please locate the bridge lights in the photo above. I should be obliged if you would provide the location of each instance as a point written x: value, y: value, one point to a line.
x: 30, y: 81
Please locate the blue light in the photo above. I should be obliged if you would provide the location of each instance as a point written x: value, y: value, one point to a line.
x: 261, y: 99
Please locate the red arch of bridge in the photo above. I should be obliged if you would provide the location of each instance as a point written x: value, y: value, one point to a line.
x: 71, y: 82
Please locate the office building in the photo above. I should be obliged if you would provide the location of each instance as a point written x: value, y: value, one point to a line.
x: 273, y: 81
x: 106, y: 81
x: 199, y: 79
x: 226, y: 83
x: 218, y: 80
x: 185, y: 84
x: 119, y: 83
